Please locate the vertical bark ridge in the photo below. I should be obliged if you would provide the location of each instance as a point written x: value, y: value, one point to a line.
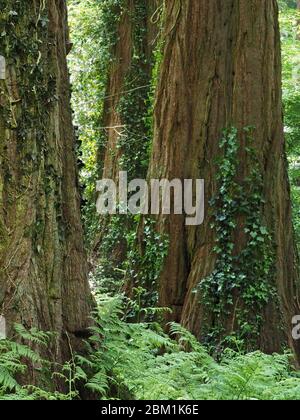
x: 222, y: 68
x: 43, y: 268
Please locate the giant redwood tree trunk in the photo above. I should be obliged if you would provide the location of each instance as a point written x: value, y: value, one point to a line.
x: 222, y: 69
x: 43, y: 273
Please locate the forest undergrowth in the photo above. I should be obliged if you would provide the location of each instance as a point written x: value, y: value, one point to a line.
x: 129, y: 355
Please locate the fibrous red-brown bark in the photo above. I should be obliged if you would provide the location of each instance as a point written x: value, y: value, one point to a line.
x: 222, y: 68
x: 122, y: 62
x: 43, y: 270
x: 126, y: 138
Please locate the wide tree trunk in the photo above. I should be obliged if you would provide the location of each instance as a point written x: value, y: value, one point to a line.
x: 43, y: 269
x: 222, y: 69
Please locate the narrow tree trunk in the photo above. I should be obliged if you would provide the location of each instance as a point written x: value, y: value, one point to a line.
x: 129, y: 78
x: 222, y: 68
x: 43, y: 271
x: 127, y: 133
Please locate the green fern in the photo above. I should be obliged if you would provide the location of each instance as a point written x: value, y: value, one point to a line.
x: 15, y: 357
x: 141, y: 362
